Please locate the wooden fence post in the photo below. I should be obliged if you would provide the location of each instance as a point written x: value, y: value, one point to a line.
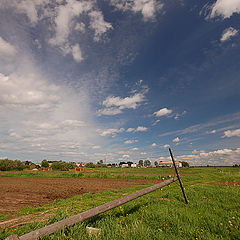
x: 178, y: 176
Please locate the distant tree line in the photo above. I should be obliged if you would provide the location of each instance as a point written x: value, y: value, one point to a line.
x: 8, y: 165
x: 99, y: 164
x: 59, y: 165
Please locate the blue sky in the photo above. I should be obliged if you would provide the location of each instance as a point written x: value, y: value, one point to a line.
x: 120, y: 80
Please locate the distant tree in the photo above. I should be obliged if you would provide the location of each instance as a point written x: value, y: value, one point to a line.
x: 185, y: 164
x: 90, y: 165
x: 18, y: 165
x: 45, y: 163
x: 235, y: 165
x: 156, y: 164
x: 140, y: 162
x: 5, y: 165
x: 147, y: 163
x: 71, y: 165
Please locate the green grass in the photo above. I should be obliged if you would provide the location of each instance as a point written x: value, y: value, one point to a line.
x: 213, y: 212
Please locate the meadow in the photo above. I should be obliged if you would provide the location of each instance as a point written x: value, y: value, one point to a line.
x: 213, y: 211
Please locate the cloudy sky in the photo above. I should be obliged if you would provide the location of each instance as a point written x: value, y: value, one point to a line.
x: 84, y: 80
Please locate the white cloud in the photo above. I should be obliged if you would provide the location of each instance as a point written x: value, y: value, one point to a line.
x: 148, y: 8
x: 162, y: 112
x: 122, y: 103
x: 228, y: 33
x: 115, y: 105
x: 143, y: 153
x: 109, y: 111
x: 230, y: 118
x: 176, y: 140
x: 98, y: 24
x: 233, y: 133
x: 135, y: 149
x: 130, y: 141
x: 220, y: 157
x: 77, y: 54
x: 141, y: 129
x: 96, y: 147
x: 64, y: 20
x: 211, y: 132
x: 126, y: 156
x: 80, y: 27
x: 110, y: 131
x: 28, y: 7
x: 166, y: 146
x: 130, y: 130
x: 27, y: 92
x: 6, y: 49
x: 154, y: 145
x: 224, y: 8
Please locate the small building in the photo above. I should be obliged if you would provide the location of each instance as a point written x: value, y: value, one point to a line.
x: 33, y: 165
x: 124, y: 165
x: 81, y: 164
x: 133, y: 165
x: 169, y: 164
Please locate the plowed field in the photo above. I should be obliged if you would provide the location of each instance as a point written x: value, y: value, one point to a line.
x: 19, y: 191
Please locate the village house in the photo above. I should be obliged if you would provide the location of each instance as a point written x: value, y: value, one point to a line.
x: 169, y: 164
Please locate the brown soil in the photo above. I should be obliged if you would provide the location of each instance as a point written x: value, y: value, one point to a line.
x: 19, y: 191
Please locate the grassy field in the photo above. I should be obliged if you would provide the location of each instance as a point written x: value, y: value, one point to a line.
x: 213, y: 212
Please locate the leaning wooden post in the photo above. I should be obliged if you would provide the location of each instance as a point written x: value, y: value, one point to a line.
x: 179, y: 179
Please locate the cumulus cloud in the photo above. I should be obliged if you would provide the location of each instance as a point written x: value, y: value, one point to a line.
x: 228, y: 34
x: 166, y: 146
x: 6, y: 49
x: 232, y: 133
x: 130, y: 130
x: 135, y: 149
x: 130, y: 141
x: 162, y: 112
x: 176, y: 140
x: 77, y: 54
x: 154, y: 145
x: 110, y: 131
x: 122, y: 103
x: 114, y: 105
x: 148, y: 8
x: 109, y: 111
x: 141, y: 129
x: 224, y: 8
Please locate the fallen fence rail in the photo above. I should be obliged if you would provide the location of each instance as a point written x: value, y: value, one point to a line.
x: 90, y: 213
